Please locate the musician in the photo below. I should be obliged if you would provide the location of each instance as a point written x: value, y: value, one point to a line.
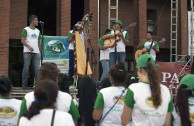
x: 147, y: 44
x: 104, y: 56
x: 71, y: 39
x: 120, y: 44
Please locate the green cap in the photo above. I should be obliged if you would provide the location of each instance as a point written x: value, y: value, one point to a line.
x: 143, y: 59
x: 188, y: 80
x: 118, y: 22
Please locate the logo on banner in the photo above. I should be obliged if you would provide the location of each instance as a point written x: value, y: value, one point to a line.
x: 55, y: 46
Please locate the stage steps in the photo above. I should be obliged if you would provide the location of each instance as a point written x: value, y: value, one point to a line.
x: 19, y: 92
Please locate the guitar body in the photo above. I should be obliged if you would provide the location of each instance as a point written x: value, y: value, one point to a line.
x: 111, y: 41
x: 140, y: 52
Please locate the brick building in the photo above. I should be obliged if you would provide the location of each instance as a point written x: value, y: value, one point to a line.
x: 14, y: 16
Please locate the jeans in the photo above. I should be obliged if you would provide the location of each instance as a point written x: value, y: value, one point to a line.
x: 28, y: 58
x: 71, y: 66
x: 105, y: 68
x: 120, y: 57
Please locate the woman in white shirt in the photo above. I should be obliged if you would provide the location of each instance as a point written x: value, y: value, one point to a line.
x: 42, y: 110
x: 110, y: 101
x: 184, y: 103
x: 148, y: 102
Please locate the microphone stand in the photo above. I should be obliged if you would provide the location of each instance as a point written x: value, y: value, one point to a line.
x: 93, y: 55
x: 115, y: 36
x: 42, y: 42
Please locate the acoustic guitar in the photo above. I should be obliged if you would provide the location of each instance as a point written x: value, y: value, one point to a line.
x: 140, y: 52
x: 111, y: 41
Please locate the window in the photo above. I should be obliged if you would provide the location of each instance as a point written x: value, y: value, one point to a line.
x: 151, y: 21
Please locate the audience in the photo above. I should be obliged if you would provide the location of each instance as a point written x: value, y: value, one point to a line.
x: 131, y: 79
x: 148, y: 102
x: 63, y: 82
x: 184, y: 103
x: 109, y: 96
x: 9, y: 107
x: 105, y: 83
x: 85, y: 101
x: 64, y: 100
x: 42, y: 110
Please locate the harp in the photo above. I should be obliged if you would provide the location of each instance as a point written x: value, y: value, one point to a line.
x: 81, y: 62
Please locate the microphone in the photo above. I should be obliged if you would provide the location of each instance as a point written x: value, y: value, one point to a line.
x: 114, y: 28
x: 41, y: 22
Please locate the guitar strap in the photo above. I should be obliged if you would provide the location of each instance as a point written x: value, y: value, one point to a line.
x: 150, y: 46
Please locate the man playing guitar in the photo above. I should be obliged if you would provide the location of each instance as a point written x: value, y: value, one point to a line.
x: 120, y: 44
x: 146, y: 44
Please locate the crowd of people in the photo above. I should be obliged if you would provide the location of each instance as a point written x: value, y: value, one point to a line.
x: 119, y: 99
x: 122, y: 99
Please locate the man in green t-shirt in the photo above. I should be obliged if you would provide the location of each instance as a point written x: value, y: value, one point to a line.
x: 120, y: 51
x: 147, y: 44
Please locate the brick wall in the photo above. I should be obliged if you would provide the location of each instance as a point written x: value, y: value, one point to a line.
x: 65, y: 17
x: 163, y: 15
x: 58, y: 22
x: 93, y: 8
x: 18, y: 17
x: 184, y: 27
x: 4, y: 36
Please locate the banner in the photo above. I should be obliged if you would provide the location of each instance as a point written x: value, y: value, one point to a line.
x: 56, y: 50
x: 169, y: 71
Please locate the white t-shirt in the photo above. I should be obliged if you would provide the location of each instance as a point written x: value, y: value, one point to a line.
x: 64, y: 103
x: 45, y: 117
x: 105, y: 100
x: 120, y: 44
x: 9, y: 110
x: 144, y: 113
x: 104, y: 54
x: 152, y: 52
x: 177, y: 119
x: 71, y: 45
x: 32, y: 39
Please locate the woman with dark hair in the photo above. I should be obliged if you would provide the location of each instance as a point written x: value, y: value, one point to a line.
x: 63, y: 82
x: 85, y: 101
x: 42, y: 110
x: 148, y: 101
x: 111, y: 97
x: 184, y: 103
x: 105, y: 83
x: 9, y: 107
x: 64, y: 100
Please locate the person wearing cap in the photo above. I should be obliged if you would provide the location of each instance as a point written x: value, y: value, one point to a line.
x: 120, y: 44
x: 71, y: 40
x: 148, y: 102
x: 184, y: 103
x: 147, y: 44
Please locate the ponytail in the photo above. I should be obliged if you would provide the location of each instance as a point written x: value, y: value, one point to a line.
x: 154, y: 84
x: 33, y: 110
x: 182, y: 105
x: 45, y: 94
